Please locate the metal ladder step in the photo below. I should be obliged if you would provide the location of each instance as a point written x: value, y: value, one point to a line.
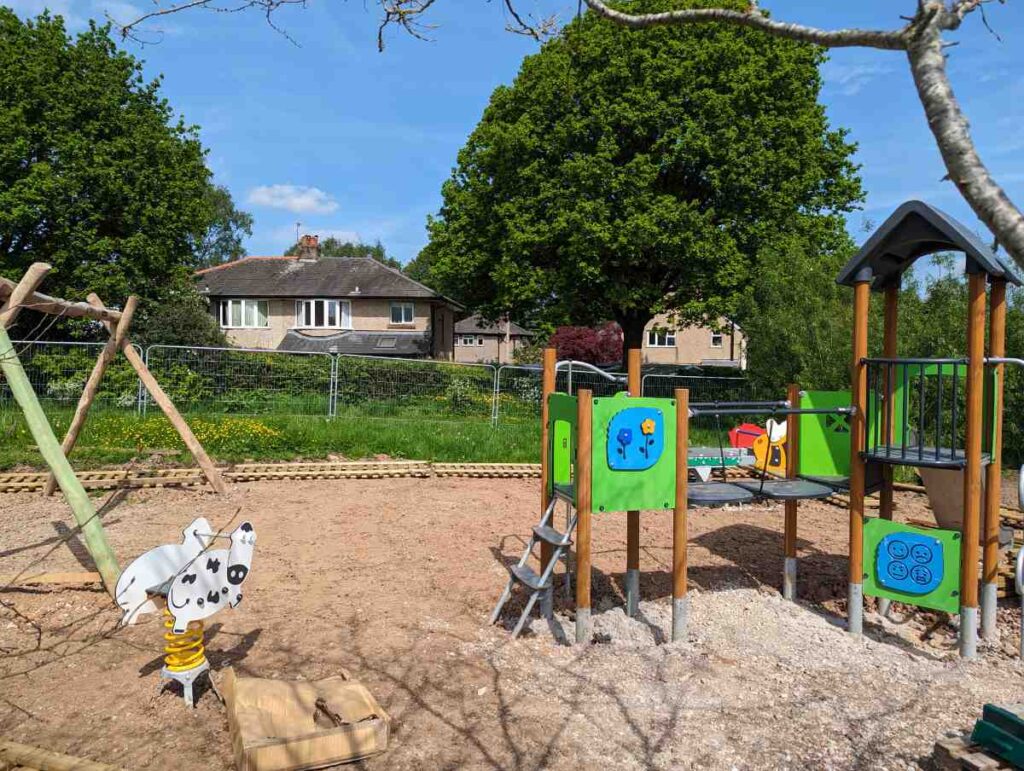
x: 551, y: 536
x: 525, y: 575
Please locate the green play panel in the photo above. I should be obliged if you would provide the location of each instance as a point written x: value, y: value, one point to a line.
x: 634, y: 453
x: 916, y: 565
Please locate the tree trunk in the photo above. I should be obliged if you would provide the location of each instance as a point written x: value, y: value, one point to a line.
x: 632, y: 333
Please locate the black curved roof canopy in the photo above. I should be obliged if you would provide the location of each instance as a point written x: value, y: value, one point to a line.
x: 914, y: 230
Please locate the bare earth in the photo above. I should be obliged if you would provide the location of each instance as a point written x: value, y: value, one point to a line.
x: 393, y: 580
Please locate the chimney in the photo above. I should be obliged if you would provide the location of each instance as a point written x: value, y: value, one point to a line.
x: 309, y: 248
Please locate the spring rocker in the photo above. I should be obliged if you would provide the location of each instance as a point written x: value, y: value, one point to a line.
x: 191, y: 582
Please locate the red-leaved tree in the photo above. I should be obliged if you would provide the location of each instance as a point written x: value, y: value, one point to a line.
x: 596, y: 346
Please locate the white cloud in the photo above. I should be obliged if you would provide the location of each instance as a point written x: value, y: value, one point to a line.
x: 299, y: 199
x: 850, y: 79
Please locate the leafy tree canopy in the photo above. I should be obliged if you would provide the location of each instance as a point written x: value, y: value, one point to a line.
x: 228, y: 229
x: 629, y: 173
x: 97, y: 176
x: 334, y: 247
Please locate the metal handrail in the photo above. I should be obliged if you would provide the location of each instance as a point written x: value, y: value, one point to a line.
x: 895, y: 360
x: 780, y: 411
x: 588, y: 367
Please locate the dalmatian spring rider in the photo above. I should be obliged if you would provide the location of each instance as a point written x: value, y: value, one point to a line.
x: 207, y: 582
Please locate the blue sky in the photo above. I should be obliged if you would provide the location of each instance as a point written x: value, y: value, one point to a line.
x: 348, y: 142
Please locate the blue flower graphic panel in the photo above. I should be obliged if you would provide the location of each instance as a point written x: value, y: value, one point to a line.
x: 636, y: 439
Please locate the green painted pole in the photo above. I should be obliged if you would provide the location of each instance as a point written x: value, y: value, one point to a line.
x: 81, y: 506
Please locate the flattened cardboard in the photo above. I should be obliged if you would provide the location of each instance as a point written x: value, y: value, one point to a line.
x: 294, y: 726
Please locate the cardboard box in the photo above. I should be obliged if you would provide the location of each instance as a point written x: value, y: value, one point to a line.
x: 287, y: 726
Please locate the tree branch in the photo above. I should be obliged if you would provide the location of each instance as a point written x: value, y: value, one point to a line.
x: 894, y: 40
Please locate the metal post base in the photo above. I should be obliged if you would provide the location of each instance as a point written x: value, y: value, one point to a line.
x: 187, y: 680
x: 632, y: 592
x: 680, y: 617
x: 855, y: 611
x: 583, y: 634
x: 789, y: 579
x: 969, y: 633
x: 547, y: 603
x: 989, y: 606
x: 883, y: 606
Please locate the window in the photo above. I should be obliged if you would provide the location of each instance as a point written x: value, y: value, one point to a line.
x: 480, y: 341
x: 401, y: 313
x: 244, y: 314
x: 716, y: 339
x: 661, y: 339
x: 468, y: 340
x: 387, y: 342
x: 323, y: 314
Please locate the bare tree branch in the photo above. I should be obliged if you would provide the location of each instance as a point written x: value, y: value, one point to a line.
x: 895, y: 40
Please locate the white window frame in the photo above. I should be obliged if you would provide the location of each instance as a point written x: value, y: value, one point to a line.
x: 249, y: 308
x: 468, y: 341
x: 404, y: 306
x: 327, y: 309
x: 721, y: 339
x: 661, y: 338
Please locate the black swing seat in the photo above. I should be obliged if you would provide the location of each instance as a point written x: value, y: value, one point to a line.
x: 785, y: 489
x: 716, y: 494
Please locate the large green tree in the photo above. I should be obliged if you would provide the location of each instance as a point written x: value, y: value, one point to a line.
x: 624, y: 174
x: 97, y: 176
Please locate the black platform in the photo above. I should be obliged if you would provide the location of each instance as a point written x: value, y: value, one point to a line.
x: 716, y: 494
x: 785, y: 489
x: 912, y: 455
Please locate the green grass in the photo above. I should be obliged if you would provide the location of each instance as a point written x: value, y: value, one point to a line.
x: 113, y: 438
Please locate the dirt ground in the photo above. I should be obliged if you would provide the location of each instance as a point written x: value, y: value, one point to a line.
x: 393, y: 580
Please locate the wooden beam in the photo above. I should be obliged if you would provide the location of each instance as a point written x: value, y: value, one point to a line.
x: 994, y: 470
x: 58, y: 307
x: 164, y: 402
x: 93, y: 383
x: 584, y: 501
x: 21, y: 291
x: 22, y: 755
x: 79, y: 501
x: 633, y: 379
x: 547, y: 387
x: 858, y: 428
x: 972, y: 473
x: 680, y: 602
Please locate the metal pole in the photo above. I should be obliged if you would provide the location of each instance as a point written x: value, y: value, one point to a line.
x: 858, y: 427
x: 789, y: 537
x: 633, y: 517
x: 889, y: 349
x: 994, y: 470
x: 680, y: 600
x: 585, y: 426
x: 972, y: 473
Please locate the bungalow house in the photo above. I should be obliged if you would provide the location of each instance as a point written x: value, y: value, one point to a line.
x: 478, y: 341
x: 664, y: 343
x: 351, y: 305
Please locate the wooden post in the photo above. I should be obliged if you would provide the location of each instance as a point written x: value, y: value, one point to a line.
x: 994, y: 471
x: 858, y: 427
x: 633, y: 517
x: 547, y: 387
x: 789, y: 537
x: 972, y: 472
x: 81, y: 506
x: 93, y: 383
x: 585, y: 432
x: 889, y: 350
x: 22, y: 292
x: 680, y: 601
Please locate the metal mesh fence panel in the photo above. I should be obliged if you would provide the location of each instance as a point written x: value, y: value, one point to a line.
x: 519, y: 389
x: 58, y: 372
x: 242, y: 381
x: 413, y: 389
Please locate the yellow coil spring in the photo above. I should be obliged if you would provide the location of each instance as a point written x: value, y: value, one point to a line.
x: 183, y: 652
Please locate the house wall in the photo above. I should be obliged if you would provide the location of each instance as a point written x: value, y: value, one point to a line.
x: 443, y: 324
x: 494, y: 349
x: 693, y: 345
x: 368, y: 315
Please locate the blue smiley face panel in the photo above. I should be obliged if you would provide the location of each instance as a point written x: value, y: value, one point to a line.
x: 636, y: 438
x: 909, y: 562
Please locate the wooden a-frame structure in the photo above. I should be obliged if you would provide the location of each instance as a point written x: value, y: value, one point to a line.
x: 14, y: 297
